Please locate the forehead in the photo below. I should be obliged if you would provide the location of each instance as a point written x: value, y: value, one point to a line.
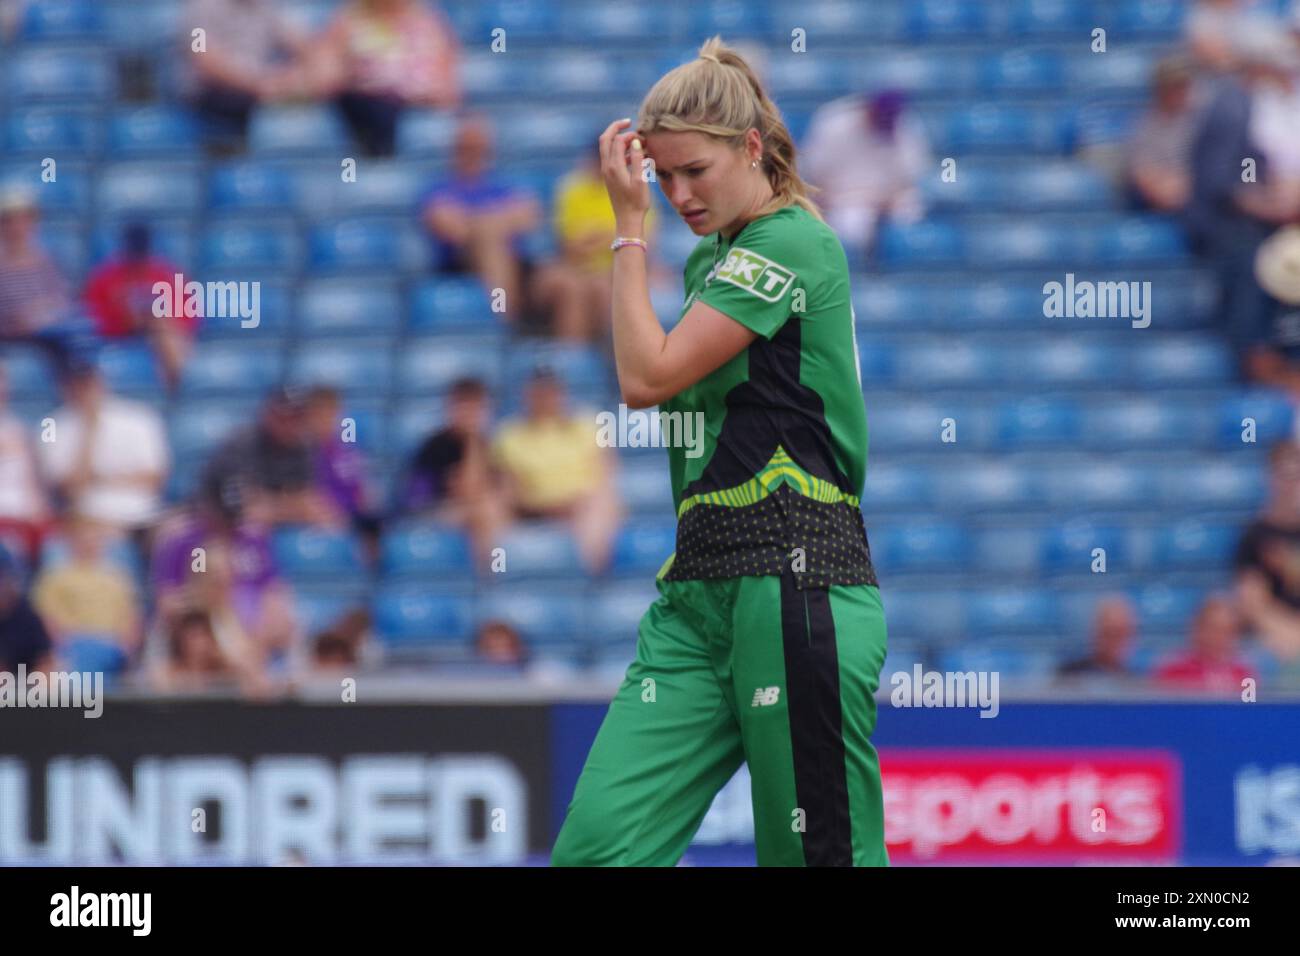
x: 672, y: 149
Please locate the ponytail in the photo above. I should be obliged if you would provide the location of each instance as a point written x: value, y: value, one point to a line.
x: 719, y: 95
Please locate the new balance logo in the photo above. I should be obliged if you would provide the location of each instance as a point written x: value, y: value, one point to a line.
x: 766, y: 696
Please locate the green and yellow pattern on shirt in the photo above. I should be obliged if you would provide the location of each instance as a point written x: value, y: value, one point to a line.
x: 780, y: 477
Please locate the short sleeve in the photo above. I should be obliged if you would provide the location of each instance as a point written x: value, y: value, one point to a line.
x: 756, y: 282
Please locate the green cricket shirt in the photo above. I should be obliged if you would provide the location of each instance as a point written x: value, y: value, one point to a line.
x: 780, y: 478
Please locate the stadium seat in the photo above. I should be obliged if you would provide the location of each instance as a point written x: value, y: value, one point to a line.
x: 53, y: 131
x: 147, y: 187
x: 643, y: 546
x: 1006, y: 610
x: 615, y: 611
x: 985, y: 485
x: 1193, y: 543
x: 231, y: 368
x: 241, y: 247
x: 920, y: 614
x: 57, y: 20
x: 358, y: 372
x: 197, y: 428
x: 303, y: 552
x: 368, y: 245
x: 153, y: 131
x: 411, y: 615
x: 131, y: 369
x: 1037, y: 422
x: 427, y: 367
x: 424, y: 550
x: 60, y: 74
x: 1270, y: 411
x: 252, y: 186
x: 929, y: 545
x: 346, y: 307
x: 644, y: 487
x: 543, y: 549
x: 297, y: 130
x: 547, y: 615
x: 452, y: 304
x: 1068, y: 548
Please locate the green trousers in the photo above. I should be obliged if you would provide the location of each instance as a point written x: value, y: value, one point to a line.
x: 747, y: 669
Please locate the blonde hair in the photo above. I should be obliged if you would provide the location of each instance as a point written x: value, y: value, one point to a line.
x: 719, y: 95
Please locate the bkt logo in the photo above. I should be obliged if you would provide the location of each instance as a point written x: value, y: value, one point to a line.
x: 766, y: 696
x: 753, y: 273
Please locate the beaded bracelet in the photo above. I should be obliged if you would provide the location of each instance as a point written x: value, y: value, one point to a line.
x: 622, y: 241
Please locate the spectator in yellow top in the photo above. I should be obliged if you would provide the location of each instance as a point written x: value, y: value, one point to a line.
x: 88, y: 599
x: 553, y: 469
x: 576, y: 288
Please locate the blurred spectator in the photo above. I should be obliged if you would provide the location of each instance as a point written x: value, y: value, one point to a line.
x: 1113, y: 632
x: 478, y: 221
x: 120, y: 298
x: 890, y: 155
x: 339, y: 646
x: 378, y: 57
x: 1268, y: 559
x: 24, y: 506
x: 1160, y: 153
x: 450, y: 479
x: 1216, y: 29
x: 34, y: 297
x: 23, y: 637
x: 107, y: 456
x: 340, y: 467
x: 555, y: 470
x: 274, y: 466
x: 89, y: 602
x: 1227, y: 217
x: 194, y: 660
x: 575, y: 289
x: 1211, y: 662
x: 248, y: 57
x: 499, y: 643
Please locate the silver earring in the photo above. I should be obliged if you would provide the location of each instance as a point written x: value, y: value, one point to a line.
x: 754, y: 165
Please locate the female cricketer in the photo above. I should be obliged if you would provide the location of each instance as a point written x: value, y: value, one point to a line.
x: 766, y: 641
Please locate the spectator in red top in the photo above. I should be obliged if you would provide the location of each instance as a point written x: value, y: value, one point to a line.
x: 120, y: 298
x: 1211, y: 663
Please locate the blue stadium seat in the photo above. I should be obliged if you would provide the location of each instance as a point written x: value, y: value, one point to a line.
x: 1067, y: 548
x: 1162, y: 17
x: 913, y: 71
x: 534, y: 134
x: 1017, y: 240
x: 921, y: 614
x: 147, y: 187
x: 28, y: 373
x: 425, y: 132
x: 197, y: 428
x: 897, y: 302
x: 1001, y: 127
x: 380, y: 245
x: 583, y: 368
x: 730, y: 18
x: 985, y: 485
x: 1214, y: 484
x: 60, y: 20
x: 1122, y: 70
x: 1008, y: 661
x: 430, y: 366
x: 603, y: 21
x: 1037, y: 18
x: 1135, y: 239
x: 452, y: 303
x: 644, y: 487
x: 69, y: 193
x: 614, y: 611
x: 1195, y: 544
x: 1105, y: 483
x: 1144, y: 422
x: 170, y: 239
x: 923, y: 243
x: 420, y: 549
x: 232, y: 369
x: 947, y: 364
x: 545, y: 614
x: 1161, y: 607
x: 880, y: 22
x: 67, y: 242
x: 275, y: 313
x: 1034, y: 422
x: 138, y: 25
x: 1008, y: 551
x: 930, y: 19
x: 297, y: 130
x: 914, y: 424
x: 929, y: 545
x: 896, y: 486
x: 252, y: 186
x: 544, y: 549
x: 318, y: 610
x: 342, y: 307
x: 241, y: 247
x: 1272, y: 413
x: 528, y: 22
x: 131, y: 369
x: 303, y: 552
x: 1068, y: 361
x: 824, y: 76
x: 53, y: 132
x: 1005, y: 610
x: 411, y: 614
x: 156, y: 131
x: 1182, y: 361
x: 355, y: 371
x: 70, y: 74
x: 381, y: 186
x: 1036, y: 71
x: 643, y: 546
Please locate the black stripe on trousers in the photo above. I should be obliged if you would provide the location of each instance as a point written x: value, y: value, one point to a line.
x: 812, y: 677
